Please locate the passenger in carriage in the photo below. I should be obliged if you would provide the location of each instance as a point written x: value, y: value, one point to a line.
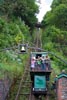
x: 33, y: 60
x: 43, y: 63
x: 39, y: 63
x: 47, y: 63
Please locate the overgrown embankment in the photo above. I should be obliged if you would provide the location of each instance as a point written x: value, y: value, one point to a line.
x: 12, y: 66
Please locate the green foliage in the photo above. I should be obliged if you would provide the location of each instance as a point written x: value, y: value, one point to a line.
x: 12, y: 64
x: 57, y: 17
x: 55, y: 44
x: 55, y: 34
x: 13, y: 33
x: 25, y: 9
x: 56, y: 3
x: 15, y: 17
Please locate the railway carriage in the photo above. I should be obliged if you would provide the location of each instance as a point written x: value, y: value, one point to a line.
x: 39, y: 72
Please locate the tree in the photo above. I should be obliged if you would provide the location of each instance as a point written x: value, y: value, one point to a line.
x: 56, y: 3
x: 55, y: 24
x: 57, y: 17
x: 10, y: 34
x: 25, y: 9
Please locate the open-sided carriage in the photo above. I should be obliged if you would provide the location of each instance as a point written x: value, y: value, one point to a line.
x: 40, y: 70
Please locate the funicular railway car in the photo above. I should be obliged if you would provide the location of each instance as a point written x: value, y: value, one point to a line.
x: 40, y: 70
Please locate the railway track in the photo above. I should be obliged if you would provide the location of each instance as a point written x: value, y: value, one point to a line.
x: 24, y: 85
x: 24, y: 90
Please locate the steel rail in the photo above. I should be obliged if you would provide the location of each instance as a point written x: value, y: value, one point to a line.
x: 23, y: 83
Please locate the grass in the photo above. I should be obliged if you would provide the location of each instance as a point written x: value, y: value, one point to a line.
x: 12, y: 67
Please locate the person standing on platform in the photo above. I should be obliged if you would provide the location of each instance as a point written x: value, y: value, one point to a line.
x: 47, y: 63
x: 33, y: 60
x: 43, y: 63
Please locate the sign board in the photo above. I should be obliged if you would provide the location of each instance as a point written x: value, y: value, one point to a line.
x: 40, y: 82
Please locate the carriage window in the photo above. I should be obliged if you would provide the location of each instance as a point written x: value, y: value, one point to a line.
x: 38, y: 55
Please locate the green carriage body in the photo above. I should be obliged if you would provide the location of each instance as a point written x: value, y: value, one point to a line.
x: 36, y: 71
x: 39, y: 82
x: 39, y: 78
x: 39, y: 85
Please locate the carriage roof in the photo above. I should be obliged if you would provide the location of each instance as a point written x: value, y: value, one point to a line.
x: 43, y: 53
